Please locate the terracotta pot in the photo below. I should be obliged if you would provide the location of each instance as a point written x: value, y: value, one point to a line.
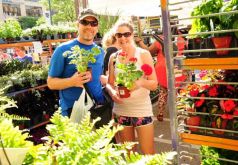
x: 123, y: 92
x: 222, y: 42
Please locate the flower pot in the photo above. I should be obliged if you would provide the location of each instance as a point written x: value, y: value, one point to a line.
x: 15, y: 155
x: 222, y: 42
x: 123, y: 92
x: 193, y: 121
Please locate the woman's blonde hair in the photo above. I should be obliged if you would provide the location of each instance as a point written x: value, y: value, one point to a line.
x: 123, y: 22
x: 108, y: 39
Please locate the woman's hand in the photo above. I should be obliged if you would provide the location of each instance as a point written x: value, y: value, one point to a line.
x: 115, y: 96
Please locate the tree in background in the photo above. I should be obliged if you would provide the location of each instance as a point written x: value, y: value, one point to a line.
x: 62, y: 10
x: 27, y: 22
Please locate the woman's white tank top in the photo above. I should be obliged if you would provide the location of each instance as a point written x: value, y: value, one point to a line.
x: 139, y: 103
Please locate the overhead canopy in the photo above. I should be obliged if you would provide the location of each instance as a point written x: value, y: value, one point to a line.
x: 143, y: 8
x: 126, y: 7
x: 139, y: 7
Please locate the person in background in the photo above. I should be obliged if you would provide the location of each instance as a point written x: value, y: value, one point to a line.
x: 21, y: 55
x: 160, y: 68
x: 64, y: 76
x: 111, y: 46
x: 135, y: 112
x: 156, y: 48
x: 4, y: 56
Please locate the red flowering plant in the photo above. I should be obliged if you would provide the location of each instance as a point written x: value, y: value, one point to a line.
x: 128, y: 71
x: 214, y: 105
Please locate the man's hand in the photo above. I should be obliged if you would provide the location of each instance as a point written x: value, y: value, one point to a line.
x: 78, y: 79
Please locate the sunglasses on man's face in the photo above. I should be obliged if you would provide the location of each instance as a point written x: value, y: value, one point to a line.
x: 86, y: 23
x: 126, y: 34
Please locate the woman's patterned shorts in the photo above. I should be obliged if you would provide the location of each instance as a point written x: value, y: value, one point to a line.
x: 132, y: 121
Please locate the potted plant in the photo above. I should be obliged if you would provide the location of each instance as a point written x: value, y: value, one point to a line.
x: 214, y: 23
x: 11, y: 30
x: 128, y: 74
x: 13, y: 143
x: 215, y: 113
x: 81, y: 57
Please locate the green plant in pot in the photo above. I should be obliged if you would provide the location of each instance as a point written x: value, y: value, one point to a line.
x: 13, y: 143
x: 225, y: 22
x: 128, y: 74
x: 214, y: 23
x: 11, y: 30
x: 81, y: 57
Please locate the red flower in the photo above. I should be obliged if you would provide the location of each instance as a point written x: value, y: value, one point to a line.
x: 200, y: 102
x: 226, y: 116
x: 133, y: 59
x: 213, y: 91
x: 194, y: 92
x: 123, y: 54
x: 230, y: 88
x: 205, y: 87
x: 235, y: 113
x: 229, y: 105
x: 147, y: 69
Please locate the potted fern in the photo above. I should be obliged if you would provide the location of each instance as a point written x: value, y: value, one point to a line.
x: 13, y: 144
x: 71, y: 143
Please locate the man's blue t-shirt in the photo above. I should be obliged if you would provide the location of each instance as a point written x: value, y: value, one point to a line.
x: 60, y: 68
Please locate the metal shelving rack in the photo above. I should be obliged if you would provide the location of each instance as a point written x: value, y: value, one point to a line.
x: 183, y: 137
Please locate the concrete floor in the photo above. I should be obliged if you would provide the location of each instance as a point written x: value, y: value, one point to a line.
x: 189, y: 154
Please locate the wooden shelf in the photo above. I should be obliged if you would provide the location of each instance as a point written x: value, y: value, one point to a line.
x: 209, y: 63
x: 22, y: 44
x: 228, y: 144
x: 26, y: 90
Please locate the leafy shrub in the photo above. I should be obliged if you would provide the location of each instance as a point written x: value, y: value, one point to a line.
x: 27, y: 22
x: 10, y: 29
x: 71, y: 143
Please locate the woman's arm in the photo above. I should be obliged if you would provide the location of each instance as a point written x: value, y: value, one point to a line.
x: 110, y: 86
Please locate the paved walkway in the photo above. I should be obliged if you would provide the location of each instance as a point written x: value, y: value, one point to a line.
x: 163, y: 141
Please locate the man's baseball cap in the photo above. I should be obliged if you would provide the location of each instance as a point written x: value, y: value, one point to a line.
x: 87, y: 13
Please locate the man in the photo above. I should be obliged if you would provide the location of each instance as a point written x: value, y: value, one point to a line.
x: 64, y: 77
x: 21, y: 55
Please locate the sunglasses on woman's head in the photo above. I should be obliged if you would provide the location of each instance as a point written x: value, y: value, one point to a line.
x: 85, y: 23
x: 126, y: 34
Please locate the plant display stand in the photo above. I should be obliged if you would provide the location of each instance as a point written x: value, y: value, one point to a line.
x: 209, y: 141
x: 198, y: 115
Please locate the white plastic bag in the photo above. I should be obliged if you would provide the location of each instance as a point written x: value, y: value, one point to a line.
x: 81, y: 107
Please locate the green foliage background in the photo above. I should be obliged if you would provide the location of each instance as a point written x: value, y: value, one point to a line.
x: 63, y: 10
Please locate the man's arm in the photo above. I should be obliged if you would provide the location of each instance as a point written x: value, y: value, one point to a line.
x: 77, y: 80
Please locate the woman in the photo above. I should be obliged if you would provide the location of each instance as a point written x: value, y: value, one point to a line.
x: 135, y: 112
x: 109, y: 43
